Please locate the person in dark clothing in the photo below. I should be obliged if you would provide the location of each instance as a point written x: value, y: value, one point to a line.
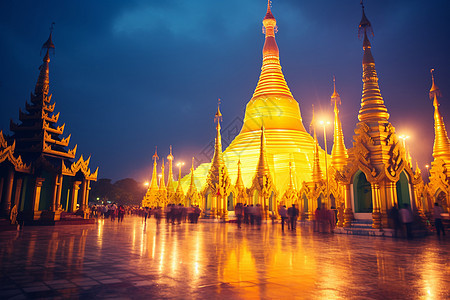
x: 239, y: 212
x: 393, y: 219
x: 293, y: 214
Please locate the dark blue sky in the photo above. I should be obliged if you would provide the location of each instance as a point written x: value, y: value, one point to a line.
x: 130, y: 75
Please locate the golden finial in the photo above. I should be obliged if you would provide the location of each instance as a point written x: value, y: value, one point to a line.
x: 170, y: 156
x: 365, y: 27
x: 434, y: 91
x: 218, y: 115
x: 335, y: 98
x: 155, y: 156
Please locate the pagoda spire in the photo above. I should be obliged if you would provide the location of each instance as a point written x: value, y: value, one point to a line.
x: 339, y: 154
x: 191, y: 194
x: 441, y: 147
x: 192, y: 183
x: 154, y: 182
x: 239, y: 182
x: 42, y: 84
x: 372, y: 104
x: 218, y: 179
x: 263, y: 167
x: 241, y: 196
x: 179, y: 192
x: 271, y: 80
x: 317, y: 172
x: 162, y: 184
x: 218, y: 157
x: 170, y: 181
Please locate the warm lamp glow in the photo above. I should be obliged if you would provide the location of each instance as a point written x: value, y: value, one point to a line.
x: 180, y: 164
x: 146, y: 183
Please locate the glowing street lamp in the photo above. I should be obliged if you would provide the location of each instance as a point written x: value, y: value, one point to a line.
x: 428, y: 171
x: 146, y: 183
x: 179, y: 165
x: 324, y: 124
x: 404, y: 138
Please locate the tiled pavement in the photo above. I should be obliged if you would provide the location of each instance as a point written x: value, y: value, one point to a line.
x: 216, y: 261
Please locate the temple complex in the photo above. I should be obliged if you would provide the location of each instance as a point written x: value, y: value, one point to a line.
x: 39, y: 176
x: 273, y: 161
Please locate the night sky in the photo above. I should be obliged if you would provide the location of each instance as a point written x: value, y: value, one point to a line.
x: 131, y: 75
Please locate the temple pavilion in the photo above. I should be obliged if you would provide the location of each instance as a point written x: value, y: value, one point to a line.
x: 274, y: 161
x: 39, y: 175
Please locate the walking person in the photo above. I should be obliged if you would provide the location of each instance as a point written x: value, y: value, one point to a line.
x: 393, y: 220
x: 407, y: 219
x: 282, y: 211
x: 239, y: 212
x: 293, y: 214
x: 437, y: 211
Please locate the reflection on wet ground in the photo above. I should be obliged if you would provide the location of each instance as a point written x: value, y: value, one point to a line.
x: 215, y: 260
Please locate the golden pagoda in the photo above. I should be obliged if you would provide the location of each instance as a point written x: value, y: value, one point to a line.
x: 439, y: 185
x: 151, y: 196
x: 377, y: 168
x: 286, y: 140
x: 170, y: 182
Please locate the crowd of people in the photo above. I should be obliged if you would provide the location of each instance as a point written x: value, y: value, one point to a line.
x: 324, y: 221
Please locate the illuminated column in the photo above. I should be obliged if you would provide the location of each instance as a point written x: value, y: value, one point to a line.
x: 376, y: 213
x: 74, y: 199
x: 37, y: 197
x: 59, y: 191
x: 83, y: 195
x: 88, y: 188
x: 348, y: 212
x: 6, y: 207
x: 53, y: 207
x: 19, y: 182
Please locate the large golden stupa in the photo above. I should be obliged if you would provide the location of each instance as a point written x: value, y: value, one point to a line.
x: 274, y: 108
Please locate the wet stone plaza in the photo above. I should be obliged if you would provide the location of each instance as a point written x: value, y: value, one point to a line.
x: 133, y: 260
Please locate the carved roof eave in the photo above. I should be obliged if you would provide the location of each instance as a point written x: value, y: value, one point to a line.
x: 64, y: 142
x: 7, y: 153
x: 69, y: 154
x: 58, y: 130
x: 82, y: 166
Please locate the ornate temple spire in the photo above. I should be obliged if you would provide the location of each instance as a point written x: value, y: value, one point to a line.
x: 170, y: 181
x: 42, y: 84
x: 317, y: 172
x: 239, y: 186
x: 179, y: 191
x: 192, y: 187
x: 263, y: 166
x: 162, y: 183
x: 263, y: 179
x: 441, y: 147
x: 218, y: 179
x: 154, y: 182
x: 271, y: 80
x: 218, y: 157
x: 239, y: 182
x: 339, y: 154
x: 372, y: 104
